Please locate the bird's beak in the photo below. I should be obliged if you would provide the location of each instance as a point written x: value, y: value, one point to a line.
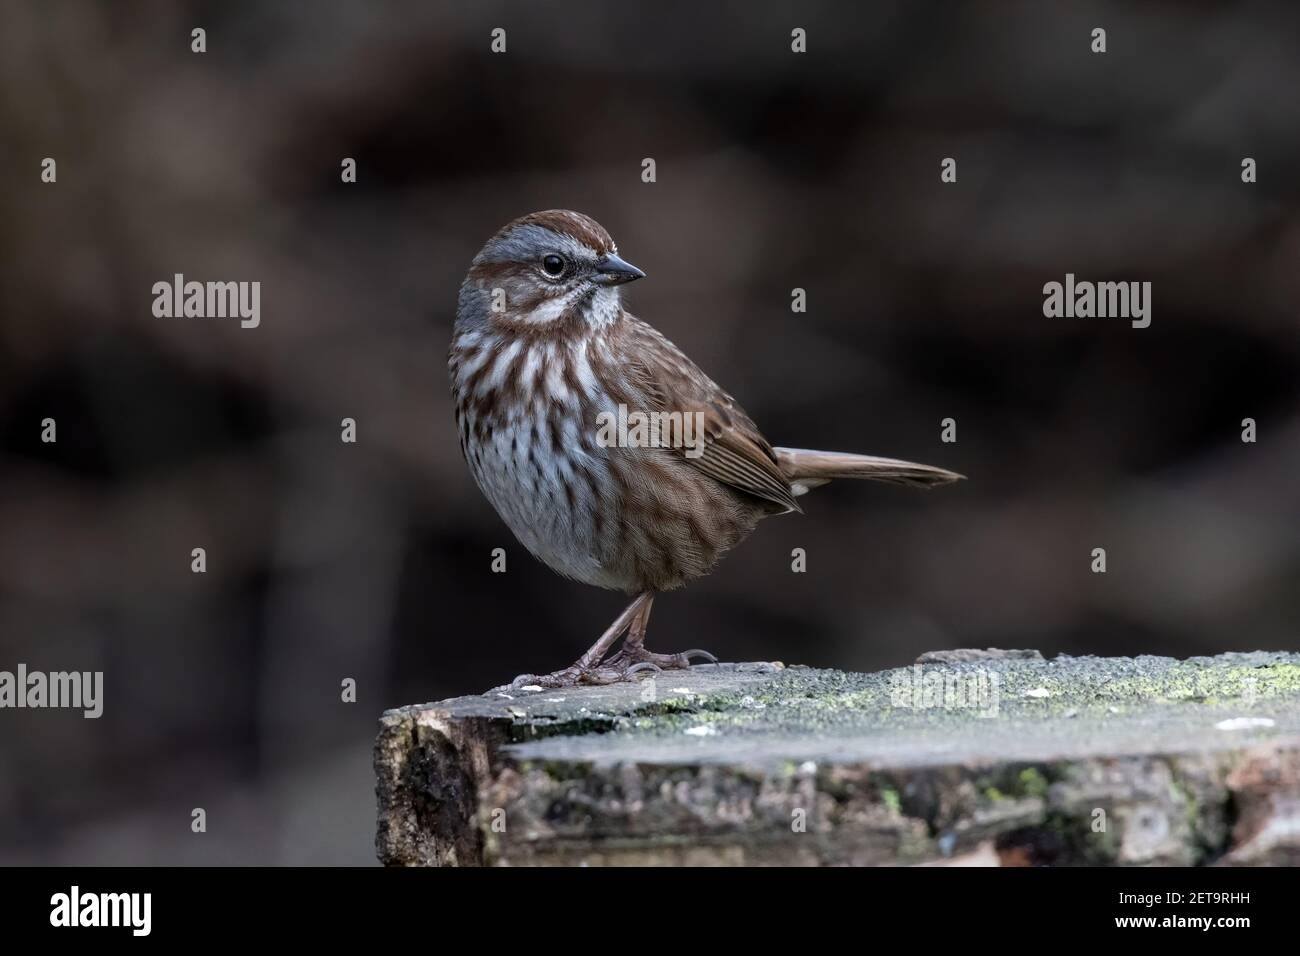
x: 611, y: 270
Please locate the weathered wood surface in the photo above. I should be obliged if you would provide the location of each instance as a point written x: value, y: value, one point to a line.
x: 965, y: 758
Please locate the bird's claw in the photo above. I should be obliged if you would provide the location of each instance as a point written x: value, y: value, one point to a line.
x: 685, y: 656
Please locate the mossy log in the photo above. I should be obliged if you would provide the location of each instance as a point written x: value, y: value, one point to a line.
x: 975, y: 757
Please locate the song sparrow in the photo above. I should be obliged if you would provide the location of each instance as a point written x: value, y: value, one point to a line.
x: 541, y: 350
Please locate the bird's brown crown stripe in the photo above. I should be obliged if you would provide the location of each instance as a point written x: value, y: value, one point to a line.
x: 582, y: 228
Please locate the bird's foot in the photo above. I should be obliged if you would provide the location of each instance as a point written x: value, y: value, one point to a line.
x: 635, y: 658
x: 628, y: 664
x: 572, y: 676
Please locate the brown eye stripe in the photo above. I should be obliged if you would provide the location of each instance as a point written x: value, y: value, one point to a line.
x: 491, y: 271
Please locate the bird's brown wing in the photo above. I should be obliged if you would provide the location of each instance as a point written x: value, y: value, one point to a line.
x: 734, y: 450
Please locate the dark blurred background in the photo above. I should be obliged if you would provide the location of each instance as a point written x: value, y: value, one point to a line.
x: 775, y: 170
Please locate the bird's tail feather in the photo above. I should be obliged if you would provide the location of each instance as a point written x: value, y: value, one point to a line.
x: 808, y: 469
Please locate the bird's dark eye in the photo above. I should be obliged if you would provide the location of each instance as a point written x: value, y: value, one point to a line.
x: 553, y: 266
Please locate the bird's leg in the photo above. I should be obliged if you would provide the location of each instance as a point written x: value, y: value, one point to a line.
x: 633, y: 655
x: 640, y: 623
x: 586, y: 669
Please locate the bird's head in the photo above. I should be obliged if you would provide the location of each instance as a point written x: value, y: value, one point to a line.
x: 547, y: 268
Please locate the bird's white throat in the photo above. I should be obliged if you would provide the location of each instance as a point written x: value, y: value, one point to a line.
x: 598, y: 309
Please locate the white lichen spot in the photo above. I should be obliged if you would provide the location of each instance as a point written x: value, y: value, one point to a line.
x: 702, y: 731
x: 1244, y: 723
